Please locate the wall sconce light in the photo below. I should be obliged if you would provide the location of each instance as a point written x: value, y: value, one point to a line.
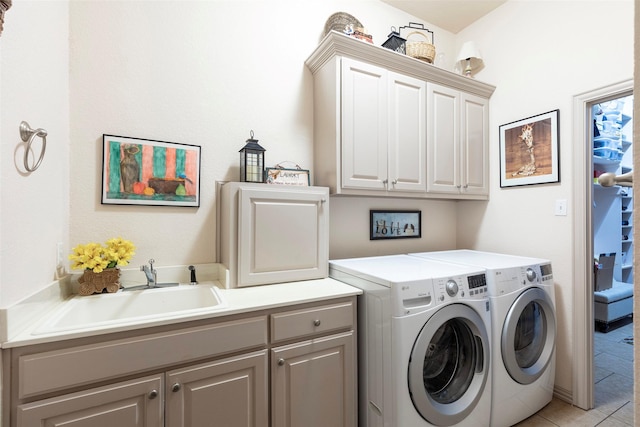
x: 252, y: 161
x: 469, y: 60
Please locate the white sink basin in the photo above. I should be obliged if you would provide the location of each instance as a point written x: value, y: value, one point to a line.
x: 84, y: 312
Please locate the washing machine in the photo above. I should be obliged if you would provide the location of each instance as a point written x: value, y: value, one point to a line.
x: 523, y: 313
x: 424, y: 341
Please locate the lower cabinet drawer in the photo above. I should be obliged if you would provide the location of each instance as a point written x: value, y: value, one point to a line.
x: 55, y: 370
x: 312, y: 321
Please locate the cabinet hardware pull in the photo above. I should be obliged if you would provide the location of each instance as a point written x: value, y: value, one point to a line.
x: 395, y: 181
x: 153, y: 394
x: 176, y: 387
x: 280, y: 362
x: 316, y: 322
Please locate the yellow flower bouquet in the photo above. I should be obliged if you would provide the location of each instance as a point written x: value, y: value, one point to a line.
x: 100, y: 264
x: 96, y: 257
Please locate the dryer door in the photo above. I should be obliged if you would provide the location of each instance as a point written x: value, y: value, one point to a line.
x: 449, y: 365
x: 528, y: 336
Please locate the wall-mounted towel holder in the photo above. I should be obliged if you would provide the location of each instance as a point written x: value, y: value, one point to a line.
x: 28, y: 135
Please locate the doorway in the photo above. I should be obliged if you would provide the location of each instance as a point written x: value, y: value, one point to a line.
x: 583, y: 302
x: 612, y: 212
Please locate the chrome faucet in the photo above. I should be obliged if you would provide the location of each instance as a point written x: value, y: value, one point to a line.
x: 151, y: 273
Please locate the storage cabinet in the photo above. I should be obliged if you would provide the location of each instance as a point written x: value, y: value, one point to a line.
x: 211, y: 373
x: 136, y: 403
x: 383, y: 121
x: 312, y: 383
x: 261, y: 227
x: 458, y: 149
x: 383, y: 129
x: 233, y: 392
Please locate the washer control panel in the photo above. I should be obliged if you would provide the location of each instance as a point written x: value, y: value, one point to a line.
x: 452, y: 288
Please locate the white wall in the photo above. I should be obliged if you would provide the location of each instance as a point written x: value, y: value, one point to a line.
x: 34, y: 86
x: 541, y: 54
x: 207, y: 73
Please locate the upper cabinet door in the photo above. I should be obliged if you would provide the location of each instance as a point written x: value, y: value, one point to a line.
x: 364, y: 126
x: 475, y: 144
x: 407, y: 133
x: 443, y: 151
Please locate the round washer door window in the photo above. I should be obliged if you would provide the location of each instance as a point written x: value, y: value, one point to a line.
x: 528, y: 336
x: 449, y: 365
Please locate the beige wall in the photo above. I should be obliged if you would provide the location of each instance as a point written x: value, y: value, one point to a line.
x: 34, y: 86
x: 207, y: 73
x: 540, y: 55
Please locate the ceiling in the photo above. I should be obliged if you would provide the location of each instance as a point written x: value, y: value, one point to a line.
x: 450, y: 15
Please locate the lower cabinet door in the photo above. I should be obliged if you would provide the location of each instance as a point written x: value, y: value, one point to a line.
x: 230, y: 392
x: 135, y: 403
x: 313, y: 383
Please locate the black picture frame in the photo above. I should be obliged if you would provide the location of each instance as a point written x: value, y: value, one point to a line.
x: 138, y: 171
x: 530, y: 150
x: 395, y: 224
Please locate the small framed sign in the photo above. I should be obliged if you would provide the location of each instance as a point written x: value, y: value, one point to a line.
x: 282, y: 176
x: 395, y: 224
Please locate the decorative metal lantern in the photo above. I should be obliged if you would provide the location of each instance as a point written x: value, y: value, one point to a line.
x: 252, y: 161
x: 395, y: 42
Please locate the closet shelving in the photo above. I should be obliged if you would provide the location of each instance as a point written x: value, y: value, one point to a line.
x: 613, y: 206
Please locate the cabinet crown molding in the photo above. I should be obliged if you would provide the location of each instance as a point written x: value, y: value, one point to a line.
x: 336, y: 44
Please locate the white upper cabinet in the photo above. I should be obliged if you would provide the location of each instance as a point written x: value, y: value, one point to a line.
x: 383, y: 129
x: 364, y: 125
x: 458, y: 133
x: 273, y: 233
x: 386, y: 124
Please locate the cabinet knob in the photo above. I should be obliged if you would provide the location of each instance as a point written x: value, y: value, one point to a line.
x: 316, y: 322
x: 153, y: 394
x: 395, y: 181
x: 280, y: 362
x: 384, y: 181
x: 176, y: 387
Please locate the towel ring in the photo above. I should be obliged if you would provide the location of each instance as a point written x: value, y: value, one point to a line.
x: 28, y: 135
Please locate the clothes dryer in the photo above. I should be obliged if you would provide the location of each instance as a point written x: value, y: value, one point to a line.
x: 521, y: 292
x: 424, y: 341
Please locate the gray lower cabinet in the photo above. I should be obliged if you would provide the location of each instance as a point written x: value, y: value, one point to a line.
x: 233, y: 392
x: 312, y: 383
x: 301, y: 359
x: 135, y: 403
x: 230, y: 392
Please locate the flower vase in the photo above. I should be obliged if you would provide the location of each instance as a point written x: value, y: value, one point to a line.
x: 96, y: 283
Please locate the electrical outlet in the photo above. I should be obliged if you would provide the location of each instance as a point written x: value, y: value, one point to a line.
x: 60, y: 254
x: 561, y: 207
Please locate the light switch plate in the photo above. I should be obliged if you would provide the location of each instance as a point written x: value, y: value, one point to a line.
x: 561, y: 207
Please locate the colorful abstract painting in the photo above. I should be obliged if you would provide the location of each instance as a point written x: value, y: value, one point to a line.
x: 146, y: 172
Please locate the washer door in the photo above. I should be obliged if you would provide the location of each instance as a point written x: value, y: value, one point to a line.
x: 449, y: 365
x: 529, y: 336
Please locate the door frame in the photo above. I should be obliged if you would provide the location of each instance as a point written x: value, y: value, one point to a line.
x: 583, y: 376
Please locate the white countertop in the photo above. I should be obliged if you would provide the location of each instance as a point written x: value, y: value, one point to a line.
x: 238, y: 300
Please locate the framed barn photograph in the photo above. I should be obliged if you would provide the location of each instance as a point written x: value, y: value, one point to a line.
x: 146, y: 172
x: 385, y: 224
x: 529, y: 150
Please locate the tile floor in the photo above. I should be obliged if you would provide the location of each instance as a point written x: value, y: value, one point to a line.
x: 613, y: 360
